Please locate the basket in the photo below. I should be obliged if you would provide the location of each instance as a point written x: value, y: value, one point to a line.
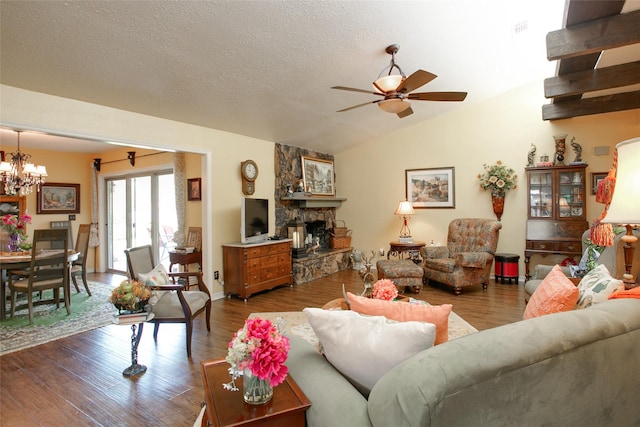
x: 340, y: 242
x: 340, y: 231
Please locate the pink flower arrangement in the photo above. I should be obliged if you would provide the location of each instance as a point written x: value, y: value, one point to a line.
x: 14, y: 224
x: 262, y: 349
x: 385, y: 289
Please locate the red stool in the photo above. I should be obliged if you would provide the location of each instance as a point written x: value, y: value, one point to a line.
x: 507, y: 267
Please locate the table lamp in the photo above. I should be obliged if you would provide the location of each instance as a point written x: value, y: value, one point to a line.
x: 405, y: 209
x: 624, y: 208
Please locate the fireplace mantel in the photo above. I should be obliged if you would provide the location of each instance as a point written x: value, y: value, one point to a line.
x: 316, y: 202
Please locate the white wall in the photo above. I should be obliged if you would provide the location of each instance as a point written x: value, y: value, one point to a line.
x: 223, y: 153
x: 372, y: 176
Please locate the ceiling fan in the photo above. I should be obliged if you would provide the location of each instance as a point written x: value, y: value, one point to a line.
x: 395, y: 89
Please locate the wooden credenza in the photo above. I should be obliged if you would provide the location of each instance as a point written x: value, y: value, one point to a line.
x: 256, y: 267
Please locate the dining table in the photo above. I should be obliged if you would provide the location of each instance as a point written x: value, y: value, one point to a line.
x: 21, y: 261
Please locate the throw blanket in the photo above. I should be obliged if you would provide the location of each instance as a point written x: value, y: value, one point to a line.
x: 631, y: 293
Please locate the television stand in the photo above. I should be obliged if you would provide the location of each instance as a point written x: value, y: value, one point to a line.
x: 255, y: 267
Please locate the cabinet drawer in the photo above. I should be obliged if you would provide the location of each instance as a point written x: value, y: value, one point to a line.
x: 277, y: 248
x: 255, y: 252
x: 541, y: 246
x: 570, y: 247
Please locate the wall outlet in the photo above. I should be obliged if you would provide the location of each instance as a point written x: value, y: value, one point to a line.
x: 216, y: 275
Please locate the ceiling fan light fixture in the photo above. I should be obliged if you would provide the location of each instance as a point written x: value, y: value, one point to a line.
x: 394, y: 105
x: 388, y: 83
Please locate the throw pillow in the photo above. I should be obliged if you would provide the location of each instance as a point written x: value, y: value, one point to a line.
x: 364, y: 348
x: 596, y: 286
x: 404, y: 311
x: 556, y: 293
x: 156, y: 277
x: 629, y: 293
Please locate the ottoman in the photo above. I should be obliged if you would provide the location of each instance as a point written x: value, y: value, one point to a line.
x: 404, y: 273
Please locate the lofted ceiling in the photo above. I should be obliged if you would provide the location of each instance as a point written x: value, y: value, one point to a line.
x: 598, y: 54
x: 264, y: 68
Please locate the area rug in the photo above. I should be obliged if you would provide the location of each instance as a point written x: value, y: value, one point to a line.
x: 295, y: 323
x: 87, y: 312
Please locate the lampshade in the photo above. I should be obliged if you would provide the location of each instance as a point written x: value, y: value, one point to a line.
x: 625, y: 204
x: 404, y: 208
x: 388, y: 83
x: 394, y: 105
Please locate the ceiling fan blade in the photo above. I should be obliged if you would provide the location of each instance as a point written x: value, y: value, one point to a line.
x: 359, y: 105
x: 351, y: 89
x: 438, y: 96
x: 405, y: 113
x: 415, y: 80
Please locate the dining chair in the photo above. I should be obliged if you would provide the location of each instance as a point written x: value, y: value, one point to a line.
x: 48, y: 270
x: 173, y: 300
x: 79, y: 267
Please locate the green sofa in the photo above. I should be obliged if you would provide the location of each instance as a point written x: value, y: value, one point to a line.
x: 574, y: 368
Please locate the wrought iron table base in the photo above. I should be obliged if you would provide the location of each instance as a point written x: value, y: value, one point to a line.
x: 135, y: 368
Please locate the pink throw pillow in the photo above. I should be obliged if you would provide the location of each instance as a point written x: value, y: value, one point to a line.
x: 404, y: 312
x: 556, y: 293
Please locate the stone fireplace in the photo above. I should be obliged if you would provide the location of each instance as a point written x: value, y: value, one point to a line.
x: 318, y: 220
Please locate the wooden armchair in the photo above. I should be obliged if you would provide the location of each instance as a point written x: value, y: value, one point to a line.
x: 174, y: 302
x: 467, y: 258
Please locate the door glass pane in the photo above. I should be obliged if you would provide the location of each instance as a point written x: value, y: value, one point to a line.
x: 141, y: 211
x: 140, y: 203
x: 117, y: 224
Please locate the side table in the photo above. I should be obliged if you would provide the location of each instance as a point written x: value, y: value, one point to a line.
x: 406, y: 250
x: 184, y: 259
x: 135, y: 368
x: 225, y: 408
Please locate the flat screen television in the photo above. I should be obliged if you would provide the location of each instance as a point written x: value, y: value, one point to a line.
x: 254, y: 220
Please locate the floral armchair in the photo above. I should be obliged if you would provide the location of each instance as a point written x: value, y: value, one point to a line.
x: 467, y: 258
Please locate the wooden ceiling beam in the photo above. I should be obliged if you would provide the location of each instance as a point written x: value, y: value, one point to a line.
x: 595, y: 36
x: 588, y: 106
x: 592, y: 80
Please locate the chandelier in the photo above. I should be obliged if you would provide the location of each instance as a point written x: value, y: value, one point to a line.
x: 20, y: 175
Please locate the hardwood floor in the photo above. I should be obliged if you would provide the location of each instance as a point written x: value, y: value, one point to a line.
x: 77, y: 381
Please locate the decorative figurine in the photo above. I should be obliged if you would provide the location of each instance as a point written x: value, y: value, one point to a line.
x: 558, y: 158
x: 300, y: 187
x: 578, y: 150
x: 531, y: 156
x: 289, y: 190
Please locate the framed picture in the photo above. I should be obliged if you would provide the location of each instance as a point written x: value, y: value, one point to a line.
x: 431, y: 188
x: 56, y: 198
x: 194, y: 238
x: 596, y: 177
x: 194, y: 186
x: 317, y: 176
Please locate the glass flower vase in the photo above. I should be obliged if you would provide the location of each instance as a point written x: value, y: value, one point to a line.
x: 14, y: 242
x: 254, y: 390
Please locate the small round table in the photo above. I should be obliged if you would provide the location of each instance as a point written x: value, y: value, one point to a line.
x: 506, y: 267
x: 406, y: 250
x: 133, y: 320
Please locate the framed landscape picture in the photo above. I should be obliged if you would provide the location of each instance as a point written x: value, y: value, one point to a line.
x: 431, y: 188
x: 318, y: 178
x: 56, y: 198
x: 194, y: 188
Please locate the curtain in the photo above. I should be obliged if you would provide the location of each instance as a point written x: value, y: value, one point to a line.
x: 180, y: 184
x: 94, y: 240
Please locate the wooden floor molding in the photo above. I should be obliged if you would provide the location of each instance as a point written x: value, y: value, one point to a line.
x: 77, y: 381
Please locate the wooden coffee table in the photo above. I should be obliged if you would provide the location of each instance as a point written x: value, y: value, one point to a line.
x: 226, y: 408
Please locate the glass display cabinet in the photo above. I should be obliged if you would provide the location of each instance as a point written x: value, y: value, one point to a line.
x: 556, y: 211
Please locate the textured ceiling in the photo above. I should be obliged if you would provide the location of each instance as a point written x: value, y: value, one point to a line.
x: 265, y: 68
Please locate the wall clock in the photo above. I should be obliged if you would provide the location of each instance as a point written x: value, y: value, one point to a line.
x: 249, y: 172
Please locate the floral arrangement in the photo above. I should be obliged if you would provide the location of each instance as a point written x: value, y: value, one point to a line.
x: 498, y: 178
x: 14, y: 224
x: 262, y: 349
x: 130, y: 295
x: 385, y: 289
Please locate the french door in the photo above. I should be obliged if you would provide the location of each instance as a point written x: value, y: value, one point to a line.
x: 141, y: 210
